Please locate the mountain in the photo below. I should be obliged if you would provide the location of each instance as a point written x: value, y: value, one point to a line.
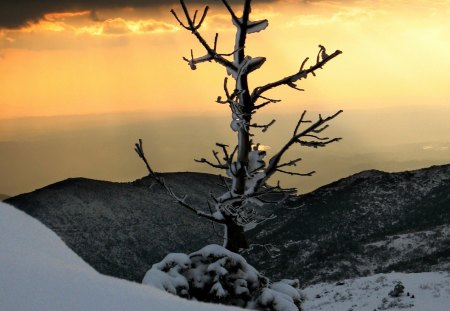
x: 39, y: 272
x: 367, y: 223
x: 370, y: 222
x: 121, y: 229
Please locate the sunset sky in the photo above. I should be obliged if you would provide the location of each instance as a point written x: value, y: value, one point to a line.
x: 93, y: 57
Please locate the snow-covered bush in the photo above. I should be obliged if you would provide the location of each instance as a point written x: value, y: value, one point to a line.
x: 215, y: 274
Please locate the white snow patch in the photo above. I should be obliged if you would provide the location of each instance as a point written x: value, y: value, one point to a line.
x: 427, y: 291
x: 39, y: 272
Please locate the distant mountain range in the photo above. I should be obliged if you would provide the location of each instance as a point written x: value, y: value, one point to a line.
x: 367, y: 223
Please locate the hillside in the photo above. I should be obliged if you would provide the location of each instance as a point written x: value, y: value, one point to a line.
x: 370, y: 222
x: 367, y: 223
x: 39, y: 272
x: 121, y: 229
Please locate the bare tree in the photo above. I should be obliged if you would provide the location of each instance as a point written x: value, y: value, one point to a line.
x: 244, y: 163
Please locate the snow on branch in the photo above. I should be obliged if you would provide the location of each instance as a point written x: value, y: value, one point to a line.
x: 180, y: 200
x: 322, y: 59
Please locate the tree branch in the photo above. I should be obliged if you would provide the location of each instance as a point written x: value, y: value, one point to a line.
x: 301, y: 74
x: 268, y: 101
x: 138, y: 147
x: 264, y: 127
x: 203, y: 160
x: 290, y: 163
x: 211, y: 52
x: 296, y: 138
x: 181, y: 201
x: 295, y: 174
x: 230, y: 10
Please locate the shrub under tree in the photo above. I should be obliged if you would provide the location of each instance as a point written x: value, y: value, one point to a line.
x: 215, y: 274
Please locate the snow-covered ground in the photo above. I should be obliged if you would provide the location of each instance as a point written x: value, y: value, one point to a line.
x: 39, y: 272
x: 429, y: 291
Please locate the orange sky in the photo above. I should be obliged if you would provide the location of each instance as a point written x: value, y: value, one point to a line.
x: 392, y: 81
x: 395, y: 54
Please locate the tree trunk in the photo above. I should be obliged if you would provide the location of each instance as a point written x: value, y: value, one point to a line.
x: 235, y: 239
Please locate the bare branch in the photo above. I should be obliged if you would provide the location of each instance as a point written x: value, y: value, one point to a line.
x: 230, y: 97
x: 290, y: 163
x: 321, y: 129
x: 138, y: 147
x: 296, y: 138
x: 215, y: 41
x: 268, y: 101
x: 225, y: 152
x: 294, y: 86
x: 182, y: 201
x: 211, y: 52
x: 264, y: 127
x: 301, y: 74
x: 296, y: 174
x: 203, y: 160
x: 202, y: 19
x: 316, y: 137
x: 303, y: 64
x: 230, y: 10
x: 300, y: 121
x: 317, y: 144
x: 178, y: 19
x: 215, y: 153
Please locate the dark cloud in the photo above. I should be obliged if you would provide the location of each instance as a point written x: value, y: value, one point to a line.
x: 17, y: 13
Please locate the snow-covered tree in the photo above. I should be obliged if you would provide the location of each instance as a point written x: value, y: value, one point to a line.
x: 214, y: 274
x: 244, y: 163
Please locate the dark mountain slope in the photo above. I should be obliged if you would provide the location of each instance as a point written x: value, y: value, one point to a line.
x: 121, y: 229
x: 323, y: 233
x: 369, y: 222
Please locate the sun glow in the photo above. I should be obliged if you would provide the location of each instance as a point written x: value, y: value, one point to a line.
x: 85, y: 62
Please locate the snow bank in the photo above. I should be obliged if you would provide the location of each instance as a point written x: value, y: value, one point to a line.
x: 428, y: 291
x: 39, y: 272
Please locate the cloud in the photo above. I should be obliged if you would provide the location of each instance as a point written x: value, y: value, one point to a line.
x: 120, y: 26
x: 116, y: 26
x: 19, y: 13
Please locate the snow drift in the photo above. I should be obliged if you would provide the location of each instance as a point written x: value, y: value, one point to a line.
x: 39, y: 272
